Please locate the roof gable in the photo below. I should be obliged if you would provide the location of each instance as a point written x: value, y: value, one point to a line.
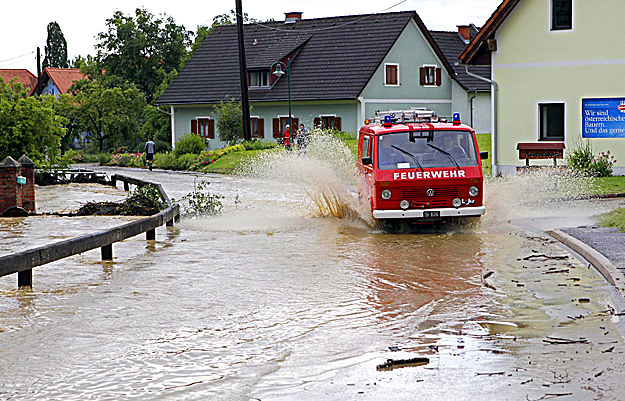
x: 452, y: 45
x: 335, y: 58
x: 63, y: 78
x: 476, y: 51
x: 22, y: 76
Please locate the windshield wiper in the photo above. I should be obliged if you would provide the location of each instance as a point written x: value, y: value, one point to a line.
x: 409, y: 154
x: 446, y: 154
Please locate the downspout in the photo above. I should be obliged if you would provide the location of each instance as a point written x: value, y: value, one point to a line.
x: 494, y: 133
x: 163, y: 111
x: 471, y: 105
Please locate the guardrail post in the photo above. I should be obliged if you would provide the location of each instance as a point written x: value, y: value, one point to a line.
x: 107, y: 252
x: 126, y: 186
x: 25, y: 278
x: 150, y: 235
x: 170, y: 223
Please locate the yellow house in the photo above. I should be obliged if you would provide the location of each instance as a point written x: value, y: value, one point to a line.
x: 558, y: 75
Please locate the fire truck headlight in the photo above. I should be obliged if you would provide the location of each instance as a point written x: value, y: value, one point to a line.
x: 456, y: 202
x: 404, y: 204
x: 473, y: 191
x: 386, y: 194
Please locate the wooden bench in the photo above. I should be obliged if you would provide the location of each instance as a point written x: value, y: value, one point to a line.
x: 541, y: 150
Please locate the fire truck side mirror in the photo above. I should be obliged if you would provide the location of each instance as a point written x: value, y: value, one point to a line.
x: 367, y: 161
x: 483, y: 155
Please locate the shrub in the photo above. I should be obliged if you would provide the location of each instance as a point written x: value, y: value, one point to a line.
x: 162, y: 147
x: 185, y: 161
x: 165, y: 161
x: 342, y: 135
x: 256, y: 144
x: 104, y: 158
x: 582, y: 160
x: 229, y: 120
x: 190, y: 143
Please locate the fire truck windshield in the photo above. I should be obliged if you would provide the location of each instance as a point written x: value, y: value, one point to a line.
x: 443, y: 148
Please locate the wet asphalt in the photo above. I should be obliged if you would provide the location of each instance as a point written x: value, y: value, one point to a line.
x: 610, y: 242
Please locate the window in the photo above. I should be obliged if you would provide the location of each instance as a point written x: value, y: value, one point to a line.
x: 325, y: 122
x: 366, y: 146
x: 280, y: 123
x: 203, y: 127
x: 259, y: 79
x: 551, y: 122
x: 391, y: 74
x: 258, y: 128
x: 561, y: 15
x: 429, y: 75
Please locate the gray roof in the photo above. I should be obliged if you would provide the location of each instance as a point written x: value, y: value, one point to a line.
x: 452, y: 45
x: 334, y: 58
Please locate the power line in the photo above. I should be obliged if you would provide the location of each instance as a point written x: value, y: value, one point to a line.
x: 13, y: 58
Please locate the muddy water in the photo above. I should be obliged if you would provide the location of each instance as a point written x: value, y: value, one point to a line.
x: 271, y: 300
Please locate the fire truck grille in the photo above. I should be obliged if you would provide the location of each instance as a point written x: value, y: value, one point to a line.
x: 442, y: 195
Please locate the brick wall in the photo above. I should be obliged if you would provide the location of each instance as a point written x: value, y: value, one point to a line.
x: 10, y: 194
x: 28, y: 190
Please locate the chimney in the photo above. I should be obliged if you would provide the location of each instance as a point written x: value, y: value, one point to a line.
x: 292, y: 17
x: 465, y: 32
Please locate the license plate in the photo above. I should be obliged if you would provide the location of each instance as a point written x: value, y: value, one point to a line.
x: 432, y: 214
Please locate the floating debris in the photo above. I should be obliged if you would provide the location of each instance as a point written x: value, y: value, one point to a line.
x: 391, y: 364
x: 498, y: 327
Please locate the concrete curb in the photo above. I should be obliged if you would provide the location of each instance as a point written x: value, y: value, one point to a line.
x: 600, y: 262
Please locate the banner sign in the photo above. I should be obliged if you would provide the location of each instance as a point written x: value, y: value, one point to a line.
x: 603, y: 118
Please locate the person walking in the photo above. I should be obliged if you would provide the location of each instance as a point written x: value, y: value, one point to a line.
x: 287, y: 138
x: 302, y: 139
x: 150, y: 149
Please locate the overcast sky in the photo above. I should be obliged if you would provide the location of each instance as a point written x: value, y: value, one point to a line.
x: 23, y: 26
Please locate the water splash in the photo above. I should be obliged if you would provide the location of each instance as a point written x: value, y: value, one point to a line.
x: 540, y: 193
x: 326, y: 170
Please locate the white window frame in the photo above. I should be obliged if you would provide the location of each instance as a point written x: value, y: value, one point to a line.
x: 259, y: 73
x: 550, y: 15
x: 385, y: 80
x: 435, y: 68
x: 538, y: 122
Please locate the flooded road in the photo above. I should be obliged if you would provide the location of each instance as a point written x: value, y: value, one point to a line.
x: 272, y: 301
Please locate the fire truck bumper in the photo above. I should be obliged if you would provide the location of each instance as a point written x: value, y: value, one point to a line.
x: 429, y: 213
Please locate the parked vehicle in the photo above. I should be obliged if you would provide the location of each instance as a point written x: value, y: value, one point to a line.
x: 417, y: 166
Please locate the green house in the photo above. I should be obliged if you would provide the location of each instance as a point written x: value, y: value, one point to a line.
x: 343, y: 69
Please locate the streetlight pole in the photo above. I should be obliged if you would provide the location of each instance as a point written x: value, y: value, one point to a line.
x: 278, y: 72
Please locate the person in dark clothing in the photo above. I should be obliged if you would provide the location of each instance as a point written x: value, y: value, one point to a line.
x: 302, y: 139
x: 150, y: 149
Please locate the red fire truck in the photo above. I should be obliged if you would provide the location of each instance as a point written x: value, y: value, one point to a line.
x: 420, y: 167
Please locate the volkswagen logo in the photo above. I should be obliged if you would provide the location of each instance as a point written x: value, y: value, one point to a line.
x: 430, y: 192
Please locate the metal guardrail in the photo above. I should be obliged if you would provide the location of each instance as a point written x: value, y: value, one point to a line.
x: 23, y: 262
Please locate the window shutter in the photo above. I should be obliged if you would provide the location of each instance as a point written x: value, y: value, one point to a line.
x: 337, y: 123
x: 438, y: 77
x: 422, y: 76
x: 261, y: 127
x: 194, y: 127
x: 295, y: 124
x: 317, y: 122
x: 276, y: 128
x: 211, y: 129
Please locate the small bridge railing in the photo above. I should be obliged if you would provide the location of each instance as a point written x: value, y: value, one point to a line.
x: 23, y: 262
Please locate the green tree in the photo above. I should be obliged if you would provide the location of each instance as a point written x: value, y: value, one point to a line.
x: 229, y: 120
x: 28, y: 125
x: 109, y: 109
x: 56, y: 48
x: 142, y: 48
x: 65, y: 107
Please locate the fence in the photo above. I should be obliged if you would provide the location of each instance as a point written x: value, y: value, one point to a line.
x: 23, y: 262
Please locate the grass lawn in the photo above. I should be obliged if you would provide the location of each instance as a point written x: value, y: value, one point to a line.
x: 615, y: 218
x: 228, y: 163
x: 483, y: 143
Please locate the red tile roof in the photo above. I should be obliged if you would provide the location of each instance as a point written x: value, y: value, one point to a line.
x: 63, y: 78
x: 22, y: 76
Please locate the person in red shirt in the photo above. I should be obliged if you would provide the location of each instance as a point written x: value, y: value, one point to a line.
x: 287, y: 138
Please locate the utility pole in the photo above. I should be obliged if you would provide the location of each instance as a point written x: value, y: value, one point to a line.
x: 38, y: 90
x: 245, y: 102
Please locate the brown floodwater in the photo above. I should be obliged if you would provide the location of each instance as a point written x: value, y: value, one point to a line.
x: 275, y: 299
